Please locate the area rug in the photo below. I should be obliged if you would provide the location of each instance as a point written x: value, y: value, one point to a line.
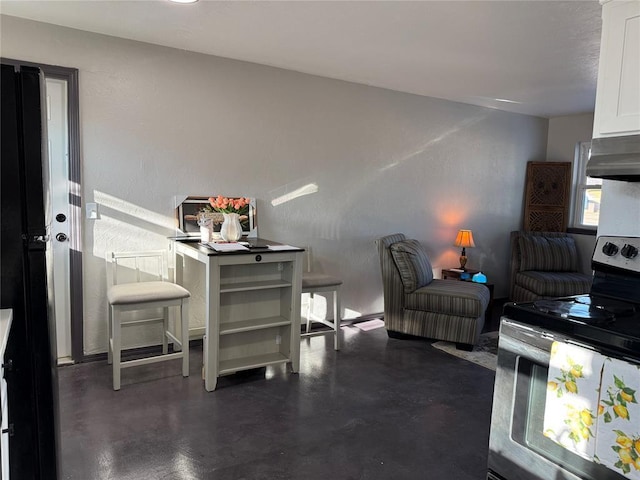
x: 485, y: 352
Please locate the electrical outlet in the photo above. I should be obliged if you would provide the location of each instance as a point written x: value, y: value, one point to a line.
x: 278, y: 339
x: 280, y: 266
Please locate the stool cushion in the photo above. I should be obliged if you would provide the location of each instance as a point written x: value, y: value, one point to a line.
x: 315, y: 280
x: 143, y: 292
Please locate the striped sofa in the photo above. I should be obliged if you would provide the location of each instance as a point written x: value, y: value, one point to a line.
x: 545, y: 265
x: 417, y: 304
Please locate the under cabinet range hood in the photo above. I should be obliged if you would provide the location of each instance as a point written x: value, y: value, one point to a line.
x: 615, y: 158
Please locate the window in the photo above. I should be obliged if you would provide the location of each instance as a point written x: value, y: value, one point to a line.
x: 586, y: 198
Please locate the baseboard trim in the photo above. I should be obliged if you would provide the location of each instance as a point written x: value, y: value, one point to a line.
x: 156, y: 349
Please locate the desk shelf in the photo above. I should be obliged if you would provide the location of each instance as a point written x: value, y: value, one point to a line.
x: 247, y: 363
x: 228, y: 328
x: 254, y: 348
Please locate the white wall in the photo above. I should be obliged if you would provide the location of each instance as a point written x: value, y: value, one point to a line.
x: 158, y: 122
x: 564, y: 133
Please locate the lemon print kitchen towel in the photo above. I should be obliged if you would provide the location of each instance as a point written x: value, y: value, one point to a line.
x: 572, y: 397
x: 618, y: 440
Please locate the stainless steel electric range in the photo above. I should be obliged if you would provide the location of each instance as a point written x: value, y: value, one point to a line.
x: 606, y: 320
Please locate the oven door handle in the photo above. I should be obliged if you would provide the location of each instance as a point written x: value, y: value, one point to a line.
x: 522, y: 339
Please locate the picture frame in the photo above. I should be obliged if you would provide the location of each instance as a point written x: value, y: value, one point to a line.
x: 193, y: 206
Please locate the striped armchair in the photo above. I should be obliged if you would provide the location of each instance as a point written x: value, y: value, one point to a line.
x: 417, y: 304
x: 545, y: 265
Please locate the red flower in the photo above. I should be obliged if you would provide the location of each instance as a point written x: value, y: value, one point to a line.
x: 228, y: 205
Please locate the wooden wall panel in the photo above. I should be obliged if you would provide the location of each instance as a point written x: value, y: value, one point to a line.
x: 547, y: 198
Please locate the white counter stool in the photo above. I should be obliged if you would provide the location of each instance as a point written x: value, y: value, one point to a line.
x: 138, y: 284
x: 313, y: 283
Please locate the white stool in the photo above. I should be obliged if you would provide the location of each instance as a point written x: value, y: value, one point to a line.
x: 143, y: 295
x: 319, y: 283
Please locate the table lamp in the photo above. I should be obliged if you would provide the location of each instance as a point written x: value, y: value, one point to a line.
x: 464, y: 240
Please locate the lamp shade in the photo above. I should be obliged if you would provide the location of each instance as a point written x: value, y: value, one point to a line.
x: 464, y: 239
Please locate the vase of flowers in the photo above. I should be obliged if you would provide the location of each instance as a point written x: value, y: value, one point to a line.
x: 231, y: 230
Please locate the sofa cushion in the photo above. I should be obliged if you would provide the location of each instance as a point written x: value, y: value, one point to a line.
x: 450, y: 297
x: 554, y: 284
x: 412, y: 263
x: 548, y: 254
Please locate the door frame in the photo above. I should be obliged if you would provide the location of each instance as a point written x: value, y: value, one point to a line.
x: 75, y: 200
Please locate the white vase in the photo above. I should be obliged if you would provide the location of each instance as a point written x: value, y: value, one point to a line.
x: 206, y: 232
x: 231, y: 230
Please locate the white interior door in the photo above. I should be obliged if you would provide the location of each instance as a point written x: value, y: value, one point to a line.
x: 58, y: 136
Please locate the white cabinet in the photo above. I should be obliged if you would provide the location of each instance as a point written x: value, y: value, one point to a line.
x: 252, y: 308
x: 257, y: 326
x: 617, y: 109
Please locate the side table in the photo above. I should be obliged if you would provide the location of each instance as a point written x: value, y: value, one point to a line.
x: 455, y: 273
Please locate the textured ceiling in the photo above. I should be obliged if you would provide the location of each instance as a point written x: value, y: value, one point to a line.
x: 534, y: 57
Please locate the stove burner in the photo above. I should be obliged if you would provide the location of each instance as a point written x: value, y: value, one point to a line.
x: 616, y: 307
x: 574, y: 311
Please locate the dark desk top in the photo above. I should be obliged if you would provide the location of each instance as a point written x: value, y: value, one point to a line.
x: 253, y: 244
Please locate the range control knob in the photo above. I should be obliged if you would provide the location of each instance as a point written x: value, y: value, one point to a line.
x: 610, y: 249
x: 629, y: 251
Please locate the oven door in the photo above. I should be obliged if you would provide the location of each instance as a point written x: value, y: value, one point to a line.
x: 517, y: 448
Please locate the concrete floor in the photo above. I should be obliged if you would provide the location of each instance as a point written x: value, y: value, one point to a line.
x: 380, y: 408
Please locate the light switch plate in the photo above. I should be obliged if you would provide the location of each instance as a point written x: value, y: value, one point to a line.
x: 92, y: 211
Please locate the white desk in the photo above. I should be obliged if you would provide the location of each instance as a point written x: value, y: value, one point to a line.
x: 252, y: 307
